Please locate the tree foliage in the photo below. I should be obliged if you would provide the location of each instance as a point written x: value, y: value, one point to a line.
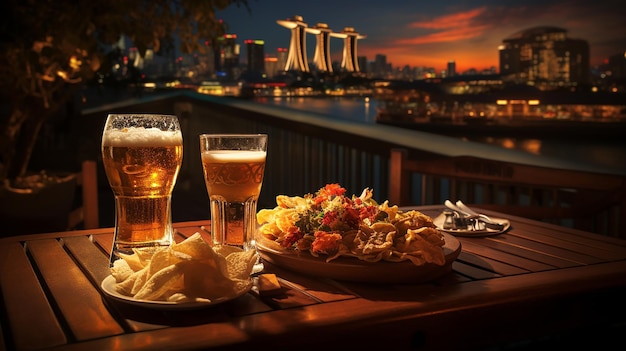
x: 51, y: 47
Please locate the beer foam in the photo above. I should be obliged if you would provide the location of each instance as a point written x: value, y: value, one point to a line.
x: 134, y: 136
x: 234, y: 156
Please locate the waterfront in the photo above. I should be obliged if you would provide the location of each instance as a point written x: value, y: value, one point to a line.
x: 602, y: 153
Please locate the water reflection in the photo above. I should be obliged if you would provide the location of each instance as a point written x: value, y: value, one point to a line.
x: 531, y: 146
x: 602, y: 153
x: 356, y: 109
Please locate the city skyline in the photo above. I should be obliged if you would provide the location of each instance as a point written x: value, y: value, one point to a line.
x: 431, y: 35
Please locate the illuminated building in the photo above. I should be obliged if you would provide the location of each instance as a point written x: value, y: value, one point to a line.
x: 255, y: 54
x: 297, y: 59
x: 544, y: 56
x: 350, y: 62
x: 271, y: 66
x: 226, y: 56
x: 322, y: 47
x: 282, y: 54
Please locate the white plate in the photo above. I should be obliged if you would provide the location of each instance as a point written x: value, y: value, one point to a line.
x: 463, y: 232
x: 108, y: 286
x: 355, y: 270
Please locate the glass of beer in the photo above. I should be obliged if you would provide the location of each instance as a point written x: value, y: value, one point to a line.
x: 142, y: 155
x: 233, y: 166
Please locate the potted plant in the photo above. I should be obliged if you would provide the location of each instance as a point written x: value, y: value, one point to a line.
x: 52, y: 48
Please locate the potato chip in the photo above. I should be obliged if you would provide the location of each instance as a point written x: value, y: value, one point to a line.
x: 135, y: 261
x: 141, y: 257
x: 287, y: 220
x: 374, y: 243
x: 383, y: 227
x: 416, y: 244
x: 126, y: 286
x: 240, y: 264
x: 266, y: 215
x: 270, y: 231
x: 139, y: 281
x: 121, y: 270
x: 160, y: 260
x: 290, y: 202
x: 195, y: 247
x: 167, y: 279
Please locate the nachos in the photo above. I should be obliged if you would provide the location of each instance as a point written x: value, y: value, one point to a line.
x: 330, y: 224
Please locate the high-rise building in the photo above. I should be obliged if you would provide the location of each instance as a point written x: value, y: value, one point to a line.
x: 282, y: 54
x: 271, y: 66
x: 227, y: 53
x: 544, y: 56
x: 350, y: 62
x: 380, y: 65
x: 255, y: 54
x: 363, y: 63
x: 617, y: 65
x: 451, y: 68
x: 322, y: 59
x: 297, y: 59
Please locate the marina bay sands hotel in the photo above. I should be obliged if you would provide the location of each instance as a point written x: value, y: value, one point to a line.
x: 297, y: 57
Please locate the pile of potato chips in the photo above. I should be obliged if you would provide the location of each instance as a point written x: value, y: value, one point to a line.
x: 188, y: 271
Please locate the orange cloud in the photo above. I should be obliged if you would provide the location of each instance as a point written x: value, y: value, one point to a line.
x: 447, y: 21
x: 456, y: 26
x: 445, y: 36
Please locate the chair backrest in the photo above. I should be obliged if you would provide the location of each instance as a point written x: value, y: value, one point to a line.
x: 586, y: 200
x: 87, y: 212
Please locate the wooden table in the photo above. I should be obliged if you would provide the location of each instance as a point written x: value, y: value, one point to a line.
x: 535, y: 284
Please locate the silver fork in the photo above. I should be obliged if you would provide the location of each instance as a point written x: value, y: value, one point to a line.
x: 490, y: 223
x: 464, y: 219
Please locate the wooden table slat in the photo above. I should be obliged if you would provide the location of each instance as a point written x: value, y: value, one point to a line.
x: 33, y: 323
x: 322, y: 289
x: 579, y: 246
x: 104, y: 241
x: 551, y: 250
x: 507, y: 243
x: 90, y: 258
x: 476, y: 247
x: 489, y: 264
x: 473, y: 272
x: 76, y: 297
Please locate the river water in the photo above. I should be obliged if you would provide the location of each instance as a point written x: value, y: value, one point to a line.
x: 606, y: 154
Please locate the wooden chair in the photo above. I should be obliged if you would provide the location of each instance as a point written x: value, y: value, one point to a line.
x: 87, y: 212
x: 584, y: 200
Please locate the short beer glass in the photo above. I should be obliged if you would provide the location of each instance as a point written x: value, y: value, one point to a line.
x: 233, y: 165
x: 142, y: 155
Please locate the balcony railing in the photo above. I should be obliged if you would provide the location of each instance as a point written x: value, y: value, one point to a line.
x: 308, y: 150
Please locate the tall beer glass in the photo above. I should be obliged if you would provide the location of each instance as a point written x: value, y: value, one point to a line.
x: 142, y: 155
x: 233, y: 165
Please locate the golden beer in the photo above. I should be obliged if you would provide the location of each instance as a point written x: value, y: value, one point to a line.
x: 142, y: 165
x: 235, y: 175
x: 233, y: 165
x: 233, y: 179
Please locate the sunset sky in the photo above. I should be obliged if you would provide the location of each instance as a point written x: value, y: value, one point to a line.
x: 429, y: 34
